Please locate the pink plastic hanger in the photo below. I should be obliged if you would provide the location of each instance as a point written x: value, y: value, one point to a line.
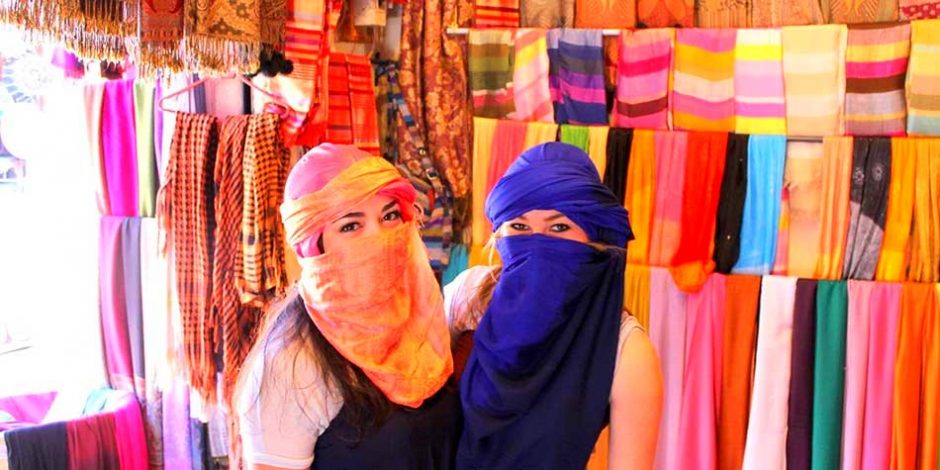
x: 277, y: 99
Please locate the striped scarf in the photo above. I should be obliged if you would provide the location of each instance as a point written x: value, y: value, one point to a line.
x: 187, y: 216
x: 814, y: 79
x: 533, y: 98
x: 875, y: 66
x: 643, y: 79
x: 576, y: 76
x: 703, y: 88
x: 923, y: 81
x: 352, y: 109
x: 759, y: 103
x: 491, y: 73
x: 496, y: 13
x: 261, y: 275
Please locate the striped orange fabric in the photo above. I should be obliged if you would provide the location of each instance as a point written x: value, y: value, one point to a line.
x: 496, y: 13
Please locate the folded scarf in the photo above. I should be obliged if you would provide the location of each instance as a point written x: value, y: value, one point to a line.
x: 727, y: 241
x: 575, y: 135
x: 667, y: 330
x: 530, y: 84
x: 262, y: 276
x: 923, y: 84
x: 899, y: 216
x: 918, y: 306
x: 767, y: 428
x: 40, y: 446
x: 802, y: 376
x: 737, y: 368
x: 643, y: 71
x: 547, y: 13
x: 641, y: 194
x: 483, y: 133
x: 119, y: 148
x: 814, y: 79
x: 597, y: 147
x: 186, y: 213
x: 925, y: 241
x: 803, y: 180
x: 619, y: 142
x: 720, y: 14
x: 759, y: 228
x: 636, y: 294
x: 703, y: 80
x: 512, y: 383
x: 759, y: 104
x: 875, y: 68
x: 701, y: 395
x: 871, y: 175
x: 600, y: 14
x: 491, y: 72
x: 864, y: 11
x: 665, y: 13
x: 774, y: 13
x: 836, y: 180
x: 227, y: 35
x: 703, y: 174
x: 882, y: 342
x: 576, y: 59
x: 146, y: 162
x: 828, y: 402
x: 919, y: 9
x: 671, y: 153
x: 496, y: 13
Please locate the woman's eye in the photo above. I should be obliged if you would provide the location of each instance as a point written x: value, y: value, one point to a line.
x: 393, y: 215
x: 519, y: 227
x: 350, y: 227
x: 559, y: 228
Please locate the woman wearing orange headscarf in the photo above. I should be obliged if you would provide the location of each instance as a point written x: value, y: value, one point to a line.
x: 351, y: 370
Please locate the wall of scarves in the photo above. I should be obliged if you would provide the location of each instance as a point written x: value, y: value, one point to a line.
x: 825, y: 80
x: 689, y: 13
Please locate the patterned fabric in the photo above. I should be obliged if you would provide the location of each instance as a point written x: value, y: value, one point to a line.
x: 186, y: 214
x: 352, y: 112
x: 703, y: 80
x: 227, y: 34
x: 600, y: 14
x: 723, y: 14
x: 871, y: 175
x: 875, y: 68
x: 665, y: 13
x: 547, y: 13
x: 643, y: 79
x: 576, y: 59
x: 923, y: 79
x: 491, y: 72
x: 814, y: 79
x: 919, y: 9
x: 803, y: 182
x: 496, y: 13
x: 759, y: 103
x: 161, y: 31
x: 533, y: 98
x: 860, y: 11
x: 773, y: 13
x: 262, y: 277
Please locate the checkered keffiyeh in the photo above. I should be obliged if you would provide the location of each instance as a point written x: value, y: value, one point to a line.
x: 261, y: 275
x: 186, y: 211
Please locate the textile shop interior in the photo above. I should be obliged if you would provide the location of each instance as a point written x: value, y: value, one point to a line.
x: 778, y: 161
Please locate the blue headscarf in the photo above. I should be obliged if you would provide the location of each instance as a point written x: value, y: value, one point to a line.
x: 536, y: 389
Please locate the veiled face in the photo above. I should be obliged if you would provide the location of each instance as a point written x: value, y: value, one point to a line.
x: 380, y: 212
x: 545, y: 222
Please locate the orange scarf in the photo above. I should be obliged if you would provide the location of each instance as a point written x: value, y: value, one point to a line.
x: 375, y: 299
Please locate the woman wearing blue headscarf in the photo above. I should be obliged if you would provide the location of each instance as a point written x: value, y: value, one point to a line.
x: 554, y: 357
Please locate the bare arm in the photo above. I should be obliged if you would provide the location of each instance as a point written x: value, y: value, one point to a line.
x: 636, y: 405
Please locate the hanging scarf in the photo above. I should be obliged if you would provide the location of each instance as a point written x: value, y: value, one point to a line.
x: 899, y: 216
x: 922, y: 94
x: 522, y: 365
x: 871, y: 175
x: 836, y: 182
x: 496, y: 13
x: 597, y: 147
x: 601, y: 14
x: 93, y: 95
x: 703, y: 172
x: 666, y: 13
x: 919, y: 9
x: 802, y: 179
x: 671, y: 155
x: 861, y: 299
x: 765, y: 166
x: 619, y: 142
x: 828, y: 403
x: 703, y: 80
x: 721, y: 14
x: 539, y: 133
x: 161, y: 33
x: 774, y: 13
x: 918, y: 305
x: 491, y: 72
x: 875, y: 68
x: 394, y: 330
x: 759, y: 103
x: 643, y: 74
x: 861, y: 11
x: 530, y: 84
x: 185, y: 211
x: 641, y: 194
x: 146, y: 160
x: 636, y: 293
x: 227, y: 35
x: 802, y: 376
x: 731, y: 205
x: 575, y: 135
x: 925, y: 241
x: 483, y: 132
x: 119, y: 147
x: 576, y: 77
x: 547, y: 13
x: 352, y: 116
x: 814, y: 79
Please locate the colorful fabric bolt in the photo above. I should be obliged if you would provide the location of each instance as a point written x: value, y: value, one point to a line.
x: 803, y: 181
x: 601, y: 14
x: 829, y: 390
x: 875, y: 69
x: 814, y: 79
x: 530, y: 83
x: 871, y: 175
x: 643, y: 69
x: 882, y: 352
x: 899, y: 216
x: 730, y: 215
x: 119, y: 148
x: 858, y: 320
x: 619, y: 142
x: 666, y: 13
x: 703, y: 80
x: 640, y: 199
x: 836, y: 183
x: 802, y: 377
x: 147, y: 182
x: 575, y: 135
x: 775, y: 13
x: 671, y: 153
x: 576, y: 59
x: 923, y: 80
x: 547, y: 13
x: 759, y: 228
x: 925, y: 241
x: 636, y: 293
x: 491, y: 72
x: 597, y: 147
x: 483, y: 132
x: 719, y: 14
x: 759, y: 103
x: 861, y: 11
x: 496, y: 13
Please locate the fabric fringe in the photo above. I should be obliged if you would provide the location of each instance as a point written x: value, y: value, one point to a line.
x: 221, y: 56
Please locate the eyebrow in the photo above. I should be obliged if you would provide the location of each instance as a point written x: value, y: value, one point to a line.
x: 389, y: 206
x: 554, y: 217
x: 351, y: 215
